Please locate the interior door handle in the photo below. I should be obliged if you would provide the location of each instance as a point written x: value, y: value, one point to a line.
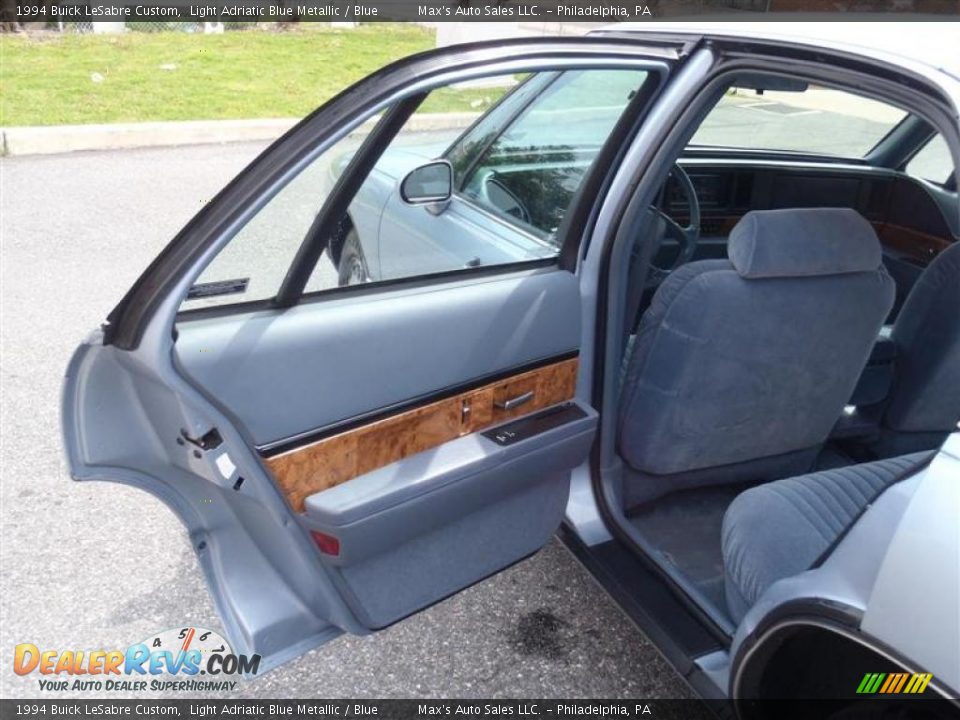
x: 515, y: 402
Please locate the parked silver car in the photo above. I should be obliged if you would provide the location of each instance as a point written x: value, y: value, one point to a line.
x: 688, y: 295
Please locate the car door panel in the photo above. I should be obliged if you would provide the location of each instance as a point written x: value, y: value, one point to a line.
x: 449, y: 516
x: 335, y: 456
x: 442, y: 519
x: 391, y: 473
x: 340, y: 456
x: 289, y: 373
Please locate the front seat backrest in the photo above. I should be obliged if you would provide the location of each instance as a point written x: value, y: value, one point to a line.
x: 741, y: 368
x: 926, y: 391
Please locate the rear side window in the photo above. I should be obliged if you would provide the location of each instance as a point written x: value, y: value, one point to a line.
x: 814, y: 120
x: 518, y: 148
x: 933, y: 162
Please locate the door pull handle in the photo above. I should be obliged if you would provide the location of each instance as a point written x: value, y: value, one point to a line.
x: 515, y: 402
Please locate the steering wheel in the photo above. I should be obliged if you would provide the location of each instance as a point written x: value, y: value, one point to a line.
x: 495, y: 194
x: 685, y: 237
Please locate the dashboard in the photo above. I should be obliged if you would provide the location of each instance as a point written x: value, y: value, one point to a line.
x: 909, y: 216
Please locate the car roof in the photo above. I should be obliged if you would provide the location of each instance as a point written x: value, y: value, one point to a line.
x: 932, y: 44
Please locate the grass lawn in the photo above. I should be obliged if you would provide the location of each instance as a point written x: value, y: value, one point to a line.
x: 67, y: 79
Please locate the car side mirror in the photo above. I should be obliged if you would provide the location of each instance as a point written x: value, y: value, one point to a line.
x: 429, y: 184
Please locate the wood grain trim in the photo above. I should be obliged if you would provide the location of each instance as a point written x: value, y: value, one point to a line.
x: 323, y: 464
x: 915, y: 244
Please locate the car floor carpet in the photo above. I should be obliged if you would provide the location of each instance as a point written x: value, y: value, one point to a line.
x: 685, y: 527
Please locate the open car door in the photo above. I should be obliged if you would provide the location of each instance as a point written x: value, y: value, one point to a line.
x: 345, y: 457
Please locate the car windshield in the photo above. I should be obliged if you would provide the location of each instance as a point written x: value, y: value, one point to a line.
x: 817, y: 121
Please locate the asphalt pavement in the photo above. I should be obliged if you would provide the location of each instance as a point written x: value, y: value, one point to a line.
x: 98, y: 566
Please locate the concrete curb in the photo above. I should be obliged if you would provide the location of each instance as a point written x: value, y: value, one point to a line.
x: 71, y: 138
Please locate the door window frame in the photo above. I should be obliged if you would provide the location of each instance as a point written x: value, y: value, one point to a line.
x: 293, y: 288
x: 175, y: 269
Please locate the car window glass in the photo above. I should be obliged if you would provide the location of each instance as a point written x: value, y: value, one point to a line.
x: 468, y: 147
x: 255, y: 261
x: 538, y: 133
x: 530, y: 172
x: 818, y: 120
x: 933, y: 162
x: 385, y: 238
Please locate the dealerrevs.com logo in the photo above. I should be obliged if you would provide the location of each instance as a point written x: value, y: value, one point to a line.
x: 168, y: 661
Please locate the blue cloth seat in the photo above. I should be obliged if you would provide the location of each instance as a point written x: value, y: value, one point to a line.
x: 780, y: 529
x: 924, y: 403
x: 741, y: 367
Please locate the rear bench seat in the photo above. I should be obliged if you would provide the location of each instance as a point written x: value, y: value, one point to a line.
x: 781, y: 528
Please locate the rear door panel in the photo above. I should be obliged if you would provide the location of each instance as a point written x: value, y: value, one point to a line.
x: 419, y: 502
x: 418, y: 511
x: 349, y: 460
x: 299, y: 371
x: 426, y: 526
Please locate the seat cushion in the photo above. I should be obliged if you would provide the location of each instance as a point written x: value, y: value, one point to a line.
x: 779, y: 529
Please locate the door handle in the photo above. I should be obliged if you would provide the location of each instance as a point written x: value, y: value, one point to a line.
x: 515, y: 402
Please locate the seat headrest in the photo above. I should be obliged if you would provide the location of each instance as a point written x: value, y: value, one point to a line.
x: 803, y: 242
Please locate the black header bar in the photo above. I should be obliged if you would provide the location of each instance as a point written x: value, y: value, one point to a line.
x: 474, y: 709
x: 606, y: 11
